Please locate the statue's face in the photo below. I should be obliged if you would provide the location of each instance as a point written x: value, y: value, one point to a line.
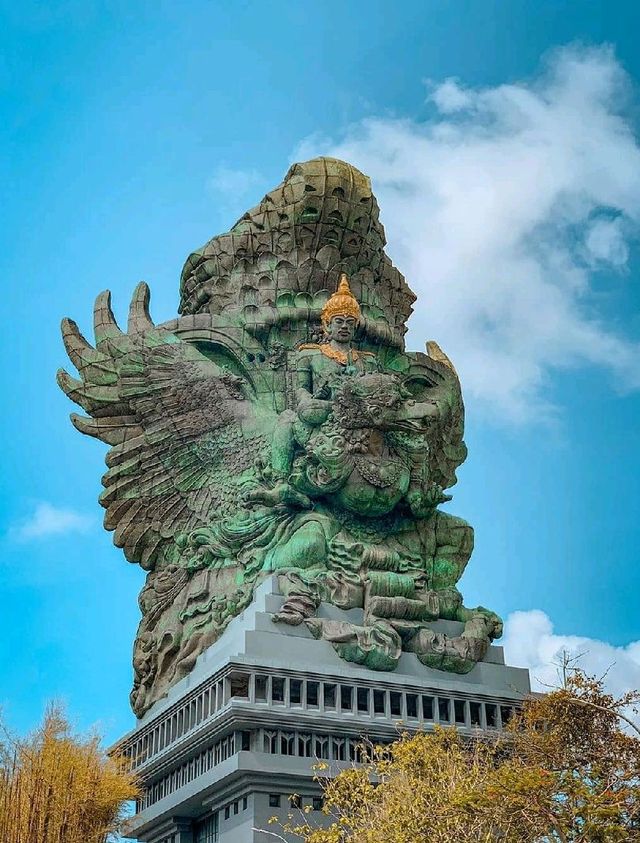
x: 342, y: 328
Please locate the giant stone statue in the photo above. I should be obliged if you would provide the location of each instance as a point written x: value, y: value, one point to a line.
x: 279, y: 426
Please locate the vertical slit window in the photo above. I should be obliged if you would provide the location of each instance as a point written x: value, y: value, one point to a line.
x: 321, y: 747
x: 261, y: 688
x: 395, y: 700
x: 239, y: 685
x: 286, y: 743
x: 304, y: 746
x: 329, y: 695
x: 338, y: 749
x: 444, y: 714
x: 363, y: 700
x: 427, y: 708
x: 346, y: 697
x: 312, y: 694
x: 295, y: 691
x: 506, y: 713
x: 378, y: 702
x: 271, y: 742
x: 277, y: 689
x: 412, y: 706
x: 206, y: 831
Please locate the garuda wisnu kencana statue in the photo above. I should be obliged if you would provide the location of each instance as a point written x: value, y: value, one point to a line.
x: 278, y: 426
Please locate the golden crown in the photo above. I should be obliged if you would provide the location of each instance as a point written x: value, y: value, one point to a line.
x: 341, y: 303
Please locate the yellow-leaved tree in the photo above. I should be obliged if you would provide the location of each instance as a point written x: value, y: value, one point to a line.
x: 567, y: 769
x: 57, y: 787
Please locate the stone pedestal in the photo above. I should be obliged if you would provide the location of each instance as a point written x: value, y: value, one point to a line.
x: 230, y: 744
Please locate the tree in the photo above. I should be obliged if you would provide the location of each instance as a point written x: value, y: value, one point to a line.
x: 56, y: 787
x: 566, y: 769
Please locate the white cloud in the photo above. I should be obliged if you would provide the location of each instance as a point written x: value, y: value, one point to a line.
x: 49, y: 520
x: 232, y: 183
x: 605, y: 241
x: 529, y: 641
x: 450, y: 97
x: 499, y: 209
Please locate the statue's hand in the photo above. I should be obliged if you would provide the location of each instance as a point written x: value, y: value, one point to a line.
x: 324, y: 393
x: 282, y: 493
x: 435, y: 495
x: 314, y: 411
x: 423, y: 500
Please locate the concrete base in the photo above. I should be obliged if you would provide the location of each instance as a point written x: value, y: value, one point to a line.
x: 233, y: 740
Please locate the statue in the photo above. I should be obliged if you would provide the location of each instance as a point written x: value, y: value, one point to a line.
x: 278, y: 426
x: 318, y: 370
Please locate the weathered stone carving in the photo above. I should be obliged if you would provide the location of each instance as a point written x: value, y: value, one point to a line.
x: 278, y: 425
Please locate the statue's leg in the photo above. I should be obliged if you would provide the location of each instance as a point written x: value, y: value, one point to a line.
x: 303, y: 596
x: 283, y: 444
x: 454, y: 544
x: 301, y: 559
x: 306, y: 548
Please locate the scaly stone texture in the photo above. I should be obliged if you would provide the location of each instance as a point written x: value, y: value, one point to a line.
x: 279, y: 426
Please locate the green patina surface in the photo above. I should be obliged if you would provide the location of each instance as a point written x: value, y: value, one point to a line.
x: 280, y: 426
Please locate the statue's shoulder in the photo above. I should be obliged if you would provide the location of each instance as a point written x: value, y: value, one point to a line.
x: 308, y: 350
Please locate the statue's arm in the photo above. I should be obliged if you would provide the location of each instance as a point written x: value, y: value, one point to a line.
x: 312, y: 410
x: 304, y: 378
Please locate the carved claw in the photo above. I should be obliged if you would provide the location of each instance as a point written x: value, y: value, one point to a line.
x: 139, y: 317
x: 289, y: 616
x: 105, y: 328
x: 494, y: 622
x: 81, y: 353
x: 112, y: 430
x: 69, y: 385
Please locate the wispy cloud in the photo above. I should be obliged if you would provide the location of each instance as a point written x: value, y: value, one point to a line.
x: 48, y: 520
x: 500, y: 209
x: 232, y: 183
x: 530, y: 641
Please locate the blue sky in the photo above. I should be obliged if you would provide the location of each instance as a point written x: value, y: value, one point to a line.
x: 502, y: 140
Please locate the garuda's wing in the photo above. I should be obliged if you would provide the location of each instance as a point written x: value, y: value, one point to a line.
x: 182, y: 428
x: 442, y: 387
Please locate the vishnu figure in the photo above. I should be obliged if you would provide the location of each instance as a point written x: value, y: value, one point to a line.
x: 317, y: 371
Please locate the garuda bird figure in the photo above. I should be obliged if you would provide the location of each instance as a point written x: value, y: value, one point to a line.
x: 279, y: 426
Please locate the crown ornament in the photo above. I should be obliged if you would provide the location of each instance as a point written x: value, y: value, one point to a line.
x: 341, y: 303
